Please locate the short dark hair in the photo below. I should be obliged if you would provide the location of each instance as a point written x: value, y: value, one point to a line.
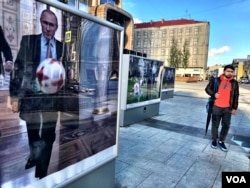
x: 49, y: 12
x: 229, y: 67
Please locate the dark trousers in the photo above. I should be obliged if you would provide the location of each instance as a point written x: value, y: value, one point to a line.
x: 223, y: 116
x: 41, y: 136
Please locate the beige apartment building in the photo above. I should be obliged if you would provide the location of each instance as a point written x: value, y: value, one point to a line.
x: 155, y: 39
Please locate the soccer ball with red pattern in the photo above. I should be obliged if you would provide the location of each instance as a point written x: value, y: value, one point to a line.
x: 50, y: 76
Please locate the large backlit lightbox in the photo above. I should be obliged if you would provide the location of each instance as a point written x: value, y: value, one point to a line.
x: 87, y: 128
x: 141, y: 85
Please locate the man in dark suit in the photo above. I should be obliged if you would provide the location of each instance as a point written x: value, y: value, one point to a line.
x: 39, y: 110
x: 5, y: 49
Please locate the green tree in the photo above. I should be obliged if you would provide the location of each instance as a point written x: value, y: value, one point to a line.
x: 179, y: 57
x: 175, y: 55
x: 185, y: 55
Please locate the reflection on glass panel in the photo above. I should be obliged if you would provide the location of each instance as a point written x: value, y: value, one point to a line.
x: 65, y: 83
x: 144, y: 80
x: 72, y: 3
x: 112, y: 2
x: 84, y: 5
x: 168, y: 78
x: 98, y: 58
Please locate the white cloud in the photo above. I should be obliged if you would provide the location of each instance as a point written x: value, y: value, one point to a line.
x: 220, y: 50
x: 217, y: 59
x: 136, y: 20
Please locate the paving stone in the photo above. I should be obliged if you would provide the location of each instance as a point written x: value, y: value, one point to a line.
x: 171, y: 150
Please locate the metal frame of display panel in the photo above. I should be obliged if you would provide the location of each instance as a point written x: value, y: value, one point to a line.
x: 168, y: 82
x: 104, y: 104
x: 141, y: 83
x: 142, y: 73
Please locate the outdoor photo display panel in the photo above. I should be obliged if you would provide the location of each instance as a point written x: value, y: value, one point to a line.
x: 168, y: 78
x: 77, y: 131
x: 144, y: 81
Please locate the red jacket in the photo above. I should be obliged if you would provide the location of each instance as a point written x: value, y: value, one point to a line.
x: 234, y: 93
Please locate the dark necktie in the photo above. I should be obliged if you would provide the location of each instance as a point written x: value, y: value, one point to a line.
x: 48, y: 53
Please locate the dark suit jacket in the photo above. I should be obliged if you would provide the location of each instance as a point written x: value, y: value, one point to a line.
x: 26, y: 63
x: 5, y: 49
x: 21, y: 83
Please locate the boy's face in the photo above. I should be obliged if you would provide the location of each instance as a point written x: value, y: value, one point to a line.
x: 228, y: 73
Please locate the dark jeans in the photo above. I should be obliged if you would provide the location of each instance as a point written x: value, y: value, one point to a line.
x: 222, y: 115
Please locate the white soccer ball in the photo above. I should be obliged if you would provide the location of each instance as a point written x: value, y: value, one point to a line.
x: 50, y: 76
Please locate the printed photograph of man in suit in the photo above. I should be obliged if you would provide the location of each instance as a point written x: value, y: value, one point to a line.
x: 6, y: 51
x: 38, y: 110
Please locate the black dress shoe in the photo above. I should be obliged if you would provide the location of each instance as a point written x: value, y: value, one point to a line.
x: 30, y: 163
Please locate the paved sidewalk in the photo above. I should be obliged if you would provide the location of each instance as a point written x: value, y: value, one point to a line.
x: 171, y: 150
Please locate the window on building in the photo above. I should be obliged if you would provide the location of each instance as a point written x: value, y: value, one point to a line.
x: 187, y: 40
x: 179, y: 32
x: 194, y: 62
x: 179, y: 41
x: 196, y: 30
x: 150, y: 52
x: 138, y: 34
x: 170, y: 42
x: 158, y: 43
x: 153, y: 34
x: 152, y: 43
x: 171, y: 33
x: 163, y: 43
x: 187, y: 31
x: 163, y: 51
x: 196, y: 75
x: 150, y: 33
x: 159, y: 34
x: 195, y: 41
x: 163, y: 33
x: 195, y: 51
x: 144, y: 43
x: 145, y: 34
x: 138, y: 43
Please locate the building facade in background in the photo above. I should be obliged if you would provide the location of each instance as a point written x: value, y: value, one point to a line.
x: 242, y: 67
x: 82, y: 4
x: 110, y: 10
x: 155, y: 39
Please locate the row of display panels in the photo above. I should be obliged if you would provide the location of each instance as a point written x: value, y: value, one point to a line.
x: 88, y: 98
x: 144, y: 79
x: 87, y: 127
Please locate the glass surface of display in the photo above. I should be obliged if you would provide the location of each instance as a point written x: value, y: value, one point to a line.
x: 144, y: 78
x: 168, y: 78
x: 67, y: 87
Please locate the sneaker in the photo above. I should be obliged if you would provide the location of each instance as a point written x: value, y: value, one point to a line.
x: 222, y: 146
x: 214, y: 144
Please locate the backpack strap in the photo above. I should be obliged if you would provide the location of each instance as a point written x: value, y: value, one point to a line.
x: 215, y: 83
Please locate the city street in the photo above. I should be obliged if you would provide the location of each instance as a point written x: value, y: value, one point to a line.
x: 171, y: 150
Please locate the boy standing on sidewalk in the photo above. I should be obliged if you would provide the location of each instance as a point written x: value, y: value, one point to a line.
x: 226, y: 98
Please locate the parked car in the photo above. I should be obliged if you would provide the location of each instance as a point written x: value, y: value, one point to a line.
x: 244, y: 81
